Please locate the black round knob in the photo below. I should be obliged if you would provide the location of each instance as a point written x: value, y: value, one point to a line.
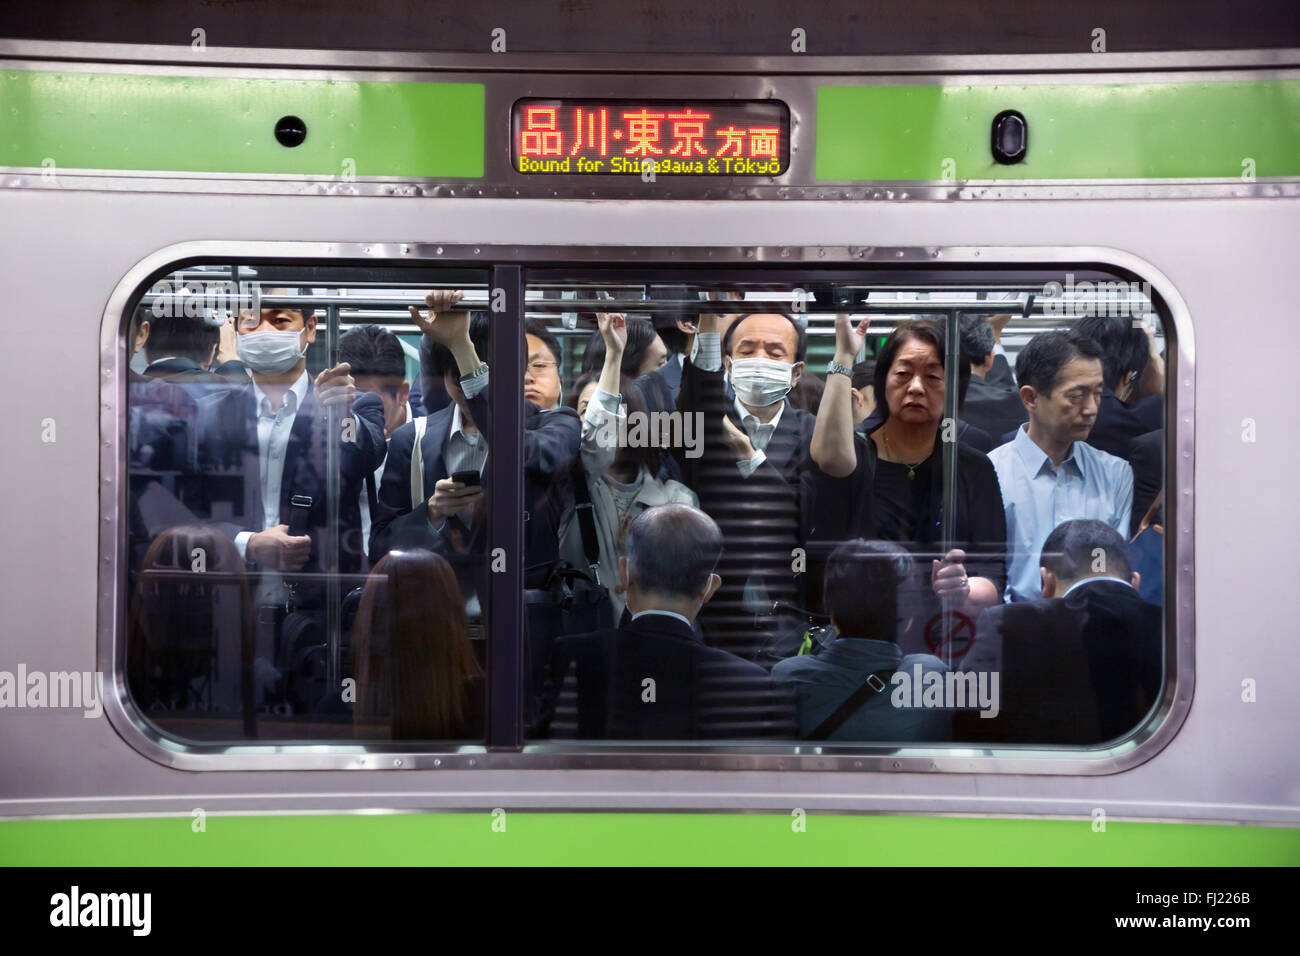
x: 290, y: 131
x: 1010, y: 137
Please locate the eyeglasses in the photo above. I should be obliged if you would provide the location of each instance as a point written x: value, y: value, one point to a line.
x: 539, y: 368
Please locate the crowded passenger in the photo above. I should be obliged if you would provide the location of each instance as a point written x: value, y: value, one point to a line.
x: 1133, y: 370
x: 845, y: 692
x: 992, y: 400
x: 620, y: 477
x: 190, y: 633
x: 416, y: 669
x: 265, y: 483
x: 888, y: 483
x: 1049, y: 473
x: 863, y: 393
x: 747, y: 472
x: 653, y: 678
x: 378, y: 365
x: 1083, y: 663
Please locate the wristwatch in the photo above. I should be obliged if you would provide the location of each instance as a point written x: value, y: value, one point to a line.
x: 835, y: 368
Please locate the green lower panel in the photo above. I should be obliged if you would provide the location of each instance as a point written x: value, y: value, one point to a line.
x: 634, y: 839
x: 1219, y: 130
x: 227, y: 125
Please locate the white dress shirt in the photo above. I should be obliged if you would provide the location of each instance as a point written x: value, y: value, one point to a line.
x: 273, y: 430
x: 364, y: 497
x: 1037, y: 497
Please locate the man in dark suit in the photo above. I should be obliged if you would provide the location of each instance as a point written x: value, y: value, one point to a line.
x: 991, y: 402
x: 423, y: 507
x: 1147, y: 456
x: 748, y: 468
x: 1083, y: 664
x: 452, y: 518
x: 1132, y: 401
x: 653, y: 678
x: 263, y: 469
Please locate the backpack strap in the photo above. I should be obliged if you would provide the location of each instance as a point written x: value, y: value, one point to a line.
x: 877, y: 682
x: 417, y: 465
x: 586, y: 514
x: 1150, y: 516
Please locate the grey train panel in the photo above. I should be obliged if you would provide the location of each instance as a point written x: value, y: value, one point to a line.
x: 1232, y: 264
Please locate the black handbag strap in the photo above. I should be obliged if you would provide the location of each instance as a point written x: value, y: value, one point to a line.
x: 586, y: 518
x: 877, y: 682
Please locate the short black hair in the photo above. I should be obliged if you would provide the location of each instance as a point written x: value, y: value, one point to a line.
x: 1040, y: 362
x: 640, y: 335
x: 926, y: 330
x: 537, y: 327
x: 1123, y: 347
x: 190, y: 337
x: 672, y: 549
x: 1074, y: 548
x: 373, y: 350
x: 977, y: 339
x: 800, y: 341
x: 436, y: 360
x: 861, y: 586
x: 864, y: 373
x: 665, y: 322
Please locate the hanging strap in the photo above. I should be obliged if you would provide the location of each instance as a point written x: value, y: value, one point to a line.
x: 417, y: 465
x: 877, y: 682
x: 586, y: 518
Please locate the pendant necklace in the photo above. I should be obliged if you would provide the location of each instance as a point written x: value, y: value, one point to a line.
x: 911, y: 469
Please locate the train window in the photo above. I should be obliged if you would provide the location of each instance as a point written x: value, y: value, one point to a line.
x: 299, y: 569
x: 784, y: 527
x: 852, y: 508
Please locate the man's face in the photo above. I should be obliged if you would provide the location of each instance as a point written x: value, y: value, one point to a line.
x: 281, y: 320
x: 766, y: 336
x: 542, y: 374
x: 1068, y: 414
x: 914, y: 387
x: 393, y: 392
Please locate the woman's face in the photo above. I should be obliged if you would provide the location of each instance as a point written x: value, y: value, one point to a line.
x: 585, y: 397
x: 656, y: 357
x: 914, y: 386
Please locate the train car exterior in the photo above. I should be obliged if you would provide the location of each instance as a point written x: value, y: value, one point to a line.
x: 1178, y: 172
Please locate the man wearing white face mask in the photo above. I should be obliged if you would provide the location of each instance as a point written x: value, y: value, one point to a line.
x: 266, y: 442
x: 748, y: 475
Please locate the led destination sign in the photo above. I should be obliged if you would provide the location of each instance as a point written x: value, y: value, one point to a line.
x: 681, y: 138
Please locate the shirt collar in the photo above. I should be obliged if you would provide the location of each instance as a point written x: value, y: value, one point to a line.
x: 1079, y: 584
x: 1036, y: 460
x: 298, y: 390
x: 745, y: 413
x: 457, y: 426
x: 641, y: 614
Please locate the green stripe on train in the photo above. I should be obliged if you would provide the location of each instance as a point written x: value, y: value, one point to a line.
x: 227, y: 125
x: 1219, y: 130
x: 633, y: 838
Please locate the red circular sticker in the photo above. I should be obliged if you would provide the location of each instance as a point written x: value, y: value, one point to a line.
x: 961, y: 632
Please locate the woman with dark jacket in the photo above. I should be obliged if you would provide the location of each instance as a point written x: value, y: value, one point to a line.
x: 888, y: 484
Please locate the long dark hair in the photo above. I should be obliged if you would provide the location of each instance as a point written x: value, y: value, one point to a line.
x: 633, y: 402
x: 182, y: 612
x: 421, y: 672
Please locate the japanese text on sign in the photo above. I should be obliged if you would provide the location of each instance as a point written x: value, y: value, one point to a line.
x: 592, y: 137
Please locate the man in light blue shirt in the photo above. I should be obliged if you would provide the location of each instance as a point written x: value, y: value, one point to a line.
x: 1049, y: 474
